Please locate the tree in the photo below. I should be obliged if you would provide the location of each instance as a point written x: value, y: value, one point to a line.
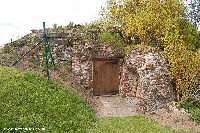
x: 161, y: 23
x: 148, y: 20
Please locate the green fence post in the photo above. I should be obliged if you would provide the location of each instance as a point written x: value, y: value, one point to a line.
x: 46, y: 50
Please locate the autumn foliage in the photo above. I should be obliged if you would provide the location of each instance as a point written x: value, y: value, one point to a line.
x: 164, y: 24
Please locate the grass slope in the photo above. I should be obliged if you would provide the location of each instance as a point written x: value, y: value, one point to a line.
x: 28, y: 100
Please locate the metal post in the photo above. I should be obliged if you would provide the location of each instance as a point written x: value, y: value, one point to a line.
x: 46, y: 50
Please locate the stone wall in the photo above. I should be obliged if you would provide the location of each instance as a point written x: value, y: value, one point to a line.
x: 82, y: 71
x: 128, y: 82
x: 146, y: 76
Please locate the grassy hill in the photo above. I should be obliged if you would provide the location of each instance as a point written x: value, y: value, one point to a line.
x: 28, y: 100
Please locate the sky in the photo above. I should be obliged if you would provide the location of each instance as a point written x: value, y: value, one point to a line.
x: 19, y: 17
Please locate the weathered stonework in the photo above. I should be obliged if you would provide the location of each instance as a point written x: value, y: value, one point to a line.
x: 146, y: 76
x: 82, y: 71
x: 129, y: 82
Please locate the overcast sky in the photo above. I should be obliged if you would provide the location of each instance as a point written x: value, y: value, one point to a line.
x: 18, y: 17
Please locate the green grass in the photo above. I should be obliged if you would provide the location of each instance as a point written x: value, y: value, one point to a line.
x: 112, y: 38
x: 193, y: 106
x: 134, y: 124
x: 28, y: 100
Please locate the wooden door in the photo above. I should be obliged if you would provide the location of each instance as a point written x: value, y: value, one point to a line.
x: 106, y: 77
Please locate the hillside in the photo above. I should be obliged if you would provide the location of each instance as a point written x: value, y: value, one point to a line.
x: 28, y: 100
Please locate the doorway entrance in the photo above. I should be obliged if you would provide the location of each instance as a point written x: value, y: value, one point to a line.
x: 106, y: 77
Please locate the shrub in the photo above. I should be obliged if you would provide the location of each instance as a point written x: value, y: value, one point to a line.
x: 112, y: 38
x: 184, y: 61
x: 193, y: 106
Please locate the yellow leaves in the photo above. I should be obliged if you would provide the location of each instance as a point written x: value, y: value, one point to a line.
x: 139, y: 16
x: 163, y: 23
x: 138, y: 46
x: 183, y: 64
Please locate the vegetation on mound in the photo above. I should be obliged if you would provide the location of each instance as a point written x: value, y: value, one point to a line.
x: 28, y: 100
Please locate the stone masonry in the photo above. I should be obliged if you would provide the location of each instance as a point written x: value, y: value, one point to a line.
x: 146, y: 76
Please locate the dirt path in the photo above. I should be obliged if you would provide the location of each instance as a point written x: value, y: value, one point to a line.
x: 115, y: 106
